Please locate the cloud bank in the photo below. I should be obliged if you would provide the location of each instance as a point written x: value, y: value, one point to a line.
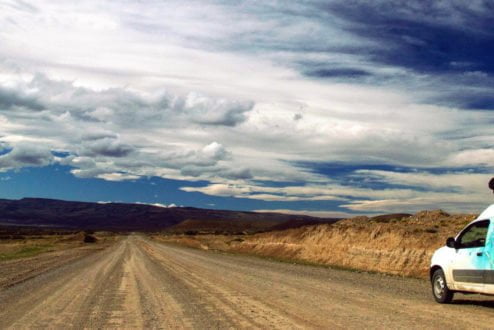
x: 398, y: 97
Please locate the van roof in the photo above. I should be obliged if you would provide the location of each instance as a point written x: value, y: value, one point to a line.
x: 487, y: 214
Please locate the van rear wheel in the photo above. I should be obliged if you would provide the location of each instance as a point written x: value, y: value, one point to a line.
x: 442, y: 294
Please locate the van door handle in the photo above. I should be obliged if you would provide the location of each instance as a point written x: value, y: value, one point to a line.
x: 479, y: 254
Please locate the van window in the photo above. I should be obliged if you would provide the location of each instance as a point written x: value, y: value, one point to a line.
x: 474, y: 235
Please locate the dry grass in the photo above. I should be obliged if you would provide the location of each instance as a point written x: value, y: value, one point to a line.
x: 28, y: 250
x: 394, y: 245
x: 29, y: 244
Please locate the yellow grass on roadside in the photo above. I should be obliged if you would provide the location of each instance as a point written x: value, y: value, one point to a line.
x: 401, y: 246
x: 21, y: 245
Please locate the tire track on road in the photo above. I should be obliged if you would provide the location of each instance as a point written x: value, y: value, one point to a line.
x: 139, y: 283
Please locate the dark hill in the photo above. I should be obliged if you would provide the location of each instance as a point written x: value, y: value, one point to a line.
x: 38, y: 212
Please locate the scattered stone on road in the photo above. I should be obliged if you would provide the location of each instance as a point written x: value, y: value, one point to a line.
x: 139, y: 283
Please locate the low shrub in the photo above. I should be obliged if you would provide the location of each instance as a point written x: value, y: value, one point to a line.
x: 89, y: 238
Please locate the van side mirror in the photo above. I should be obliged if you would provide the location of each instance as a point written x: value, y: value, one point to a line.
x: 450, y: 242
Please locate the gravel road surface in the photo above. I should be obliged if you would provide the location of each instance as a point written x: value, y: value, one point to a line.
x: 139, y: 283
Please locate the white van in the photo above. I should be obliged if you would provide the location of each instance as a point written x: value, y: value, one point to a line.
x: 466, y: 263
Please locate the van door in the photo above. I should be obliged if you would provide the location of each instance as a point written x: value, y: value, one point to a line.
x: 471, y: 262
x: 489, y: 252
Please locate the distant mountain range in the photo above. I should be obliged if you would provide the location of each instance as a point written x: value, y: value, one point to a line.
x: 50, y: 213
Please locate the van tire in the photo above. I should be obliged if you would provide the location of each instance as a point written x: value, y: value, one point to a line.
x: 442, y: 294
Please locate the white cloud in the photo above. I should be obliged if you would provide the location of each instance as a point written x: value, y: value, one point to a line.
x: 467, y: 182
x: 474, y: 157
x: 115, y: 176
x: 296, y: 193
x: 438, y: 201
x: 318, y: 214
x: 132, y: 90
x: 25, y: 155
x: 458, y: 192
x: 157, y: 204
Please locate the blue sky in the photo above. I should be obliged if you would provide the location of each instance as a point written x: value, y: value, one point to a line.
x: 328, y: 108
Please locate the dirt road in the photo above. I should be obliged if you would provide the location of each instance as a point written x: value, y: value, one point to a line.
x: 138, y: 283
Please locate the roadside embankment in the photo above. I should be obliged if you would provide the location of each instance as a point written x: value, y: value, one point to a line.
x: 400, y: 245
